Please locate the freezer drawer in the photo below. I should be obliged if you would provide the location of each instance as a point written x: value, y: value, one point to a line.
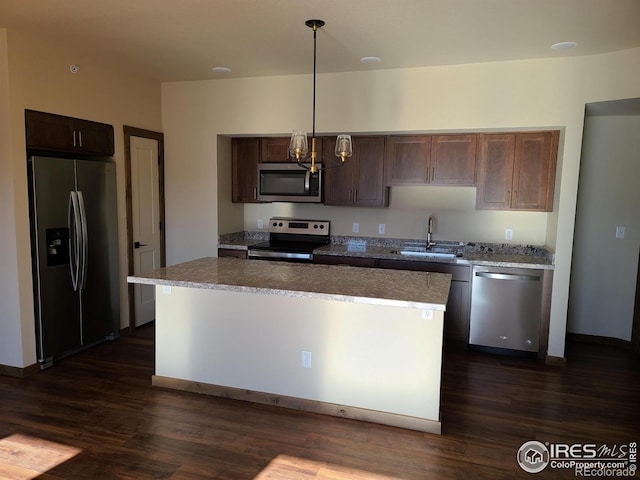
x: 506, y: 308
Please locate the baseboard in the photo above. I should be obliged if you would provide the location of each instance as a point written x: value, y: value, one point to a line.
x: 19, y: 372
x: 314, y: 406
x: 598, y: 340
x: 555, y: 361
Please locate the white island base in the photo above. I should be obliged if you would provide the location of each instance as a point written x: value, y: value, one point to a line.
x: 371, y: 362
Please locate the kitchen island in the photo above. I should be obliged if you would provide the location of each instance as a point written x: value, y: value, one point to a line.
x: 357, y: 343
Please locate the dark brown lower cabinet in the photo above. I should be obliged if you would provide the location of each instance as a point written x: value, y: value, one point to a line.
x: 232, y: 253
x: 348, y: 261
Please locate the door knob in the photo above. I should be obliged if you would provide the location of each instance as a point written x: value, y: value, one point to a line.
x: 138, y: 245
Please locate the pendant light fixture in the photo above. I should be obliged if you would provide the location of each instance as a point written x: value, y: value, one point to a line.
x: 299, y: 146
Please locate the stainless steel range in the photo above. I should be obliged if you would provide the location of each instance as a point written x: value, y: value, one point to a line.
x: 292, y: 240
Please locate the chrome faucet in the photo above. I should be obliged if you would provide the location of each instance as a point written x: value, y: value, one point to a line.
x: 430, y: 243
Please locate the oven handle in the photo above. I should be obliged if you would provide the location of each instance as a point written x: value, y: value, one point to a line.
x: 277, y: 255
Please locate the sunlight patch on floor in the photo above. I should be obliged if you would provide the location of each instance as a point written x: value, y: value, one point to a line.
x: 285, y: 467
x: 23, y: 457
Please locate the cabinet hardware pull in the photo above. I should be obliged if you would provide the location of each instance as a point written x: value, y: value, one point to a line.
x: 80, y: 138
x: 74, y: 138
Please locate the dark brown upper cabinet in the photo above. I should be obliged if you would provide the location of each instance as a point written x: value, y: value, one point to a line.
x: 516, y: 171
x: 453, y: 160
x: 276, y: 149
x: 245, y: 153
x: 407, y: 160
x: 360, y: 180
x: 57, y: 133
x: 431, y: 160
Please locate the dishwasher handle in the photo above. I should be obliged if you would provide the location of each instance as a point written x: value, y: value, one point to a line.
x: 508, y: 276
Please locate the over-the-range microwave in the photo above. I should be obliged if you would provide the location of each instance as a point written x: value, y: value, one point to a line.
x: 289, y: 182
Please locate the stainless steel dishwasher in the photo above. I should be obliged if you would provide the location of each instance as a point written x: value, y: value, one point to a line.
x: 505, y: 308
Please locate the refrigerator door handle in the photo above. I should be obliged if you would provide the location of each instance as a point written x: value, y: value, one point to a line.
x: 84, y: 241
x: 73, y: 222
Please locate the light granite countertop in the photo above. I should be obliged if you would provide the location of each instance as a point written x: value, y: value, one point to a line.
x: 422, y: 290
x: 471, y: 253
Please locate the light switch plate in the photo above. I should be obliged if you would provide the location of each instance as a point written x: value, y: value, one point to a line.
x: 381, y: 228
x: 508, y: 234
x: 356, y: 227
x: 620, y: 232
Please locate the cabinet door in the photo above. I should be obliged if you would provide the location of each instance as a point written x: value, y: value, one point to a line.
x: 453, y: 160
x: 456, y: 317
x: 534, y: 171
x: 245, y: 154
x: 276, y: 149
x: 407, y: 159
x: 338, y: 179
x: 46, y: 131
x: 368, y: 155
x: 93, y: 137
x: 495, y: 171
x: 231, y: 253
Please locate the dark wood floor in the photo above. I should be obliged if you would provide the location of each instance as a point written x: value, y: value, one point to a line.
x: 100, y: 404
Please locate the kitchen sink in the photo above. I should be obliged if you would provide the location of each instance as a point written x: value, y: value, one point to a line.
x: 420, y: 251
x: 425, y: 253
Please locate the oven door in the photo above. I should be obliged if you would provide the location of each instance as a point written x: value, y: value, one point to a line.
x: 288, y: 182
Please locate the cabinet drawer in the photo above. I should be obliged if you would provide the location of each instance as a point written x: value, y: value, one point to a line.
x: 460, y: 273
x: 232, y: 253
x: 340, y: 260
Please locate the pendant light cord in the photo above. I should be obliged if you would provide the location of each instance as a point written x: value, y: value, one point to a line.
x: 315, y: 31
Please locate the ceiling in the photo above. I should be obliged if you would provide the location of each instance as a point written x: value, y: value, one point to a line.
x: 173, y: 40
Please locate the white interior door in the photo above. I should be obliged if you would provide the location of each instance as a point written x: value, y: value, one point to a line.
x: 145, y: 206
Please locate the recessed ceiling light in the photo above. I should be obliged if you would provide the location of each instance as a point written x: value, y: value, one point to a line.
x: 564, y: 45
x: 221, y: 70
x: 370, y: 59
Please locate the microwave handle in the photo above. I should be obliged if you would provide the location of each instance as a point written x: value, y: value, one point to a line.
x: 307, y: 181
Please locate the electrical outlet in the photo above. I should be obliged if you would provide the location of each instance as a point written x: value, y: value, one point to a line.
x: 306, y: 359
x: 356, y: 227
x: 619, y: 232
x: 508, y: 234
x: 260, y: 223
x: 381, y: 228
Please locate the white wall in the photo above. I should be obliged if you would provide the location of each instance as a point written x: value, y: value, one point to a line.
x: 604, y: 268
x: 34, y: 74
x: 505, y: 95
x: 378, y: 357
x: 10, y: 326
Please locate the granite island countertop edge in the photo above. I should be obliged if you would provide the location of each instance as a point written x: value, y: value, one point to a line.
x: 190, y: 275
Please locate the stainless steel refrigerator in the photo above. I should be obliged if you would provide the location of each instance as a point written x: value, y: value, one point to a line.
x: 74, y: 244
